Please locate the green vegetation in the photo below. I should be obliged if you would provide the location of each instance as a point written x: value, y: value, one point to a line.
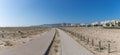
x: 8, y: 43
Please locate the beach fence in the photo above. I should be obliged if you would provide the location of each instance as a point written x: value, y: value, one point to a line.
x: 96, y: 43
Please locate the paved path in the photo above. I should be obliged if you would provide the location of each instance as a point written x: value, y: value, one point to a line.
x: 70, y: 47
x: 37, y: 46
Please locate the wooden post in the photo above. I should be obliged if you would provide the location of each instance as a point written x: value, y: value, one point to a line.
x: 81, y: 37
x: 92, y: 42
x: 88, y: 40
x: 84, y: 38
x: 2, y: 36
x: 100, y: 46
x: 108, y: 45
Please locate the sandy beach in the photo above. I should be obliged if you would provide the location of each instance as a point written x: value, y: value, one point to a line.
x: 99, y: 34
x: 15, y: 36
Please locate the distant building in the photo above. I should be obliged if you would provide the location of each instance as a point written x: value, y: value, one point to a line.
x: 82, y: 25
x: 112, y: 23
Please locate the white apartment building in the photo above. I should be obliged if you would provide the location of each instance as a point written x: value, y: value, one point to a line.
x: 110, y: 23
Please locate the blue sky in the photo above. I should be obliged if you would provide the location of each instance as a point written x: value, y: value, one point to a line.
x: 37, y: 12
